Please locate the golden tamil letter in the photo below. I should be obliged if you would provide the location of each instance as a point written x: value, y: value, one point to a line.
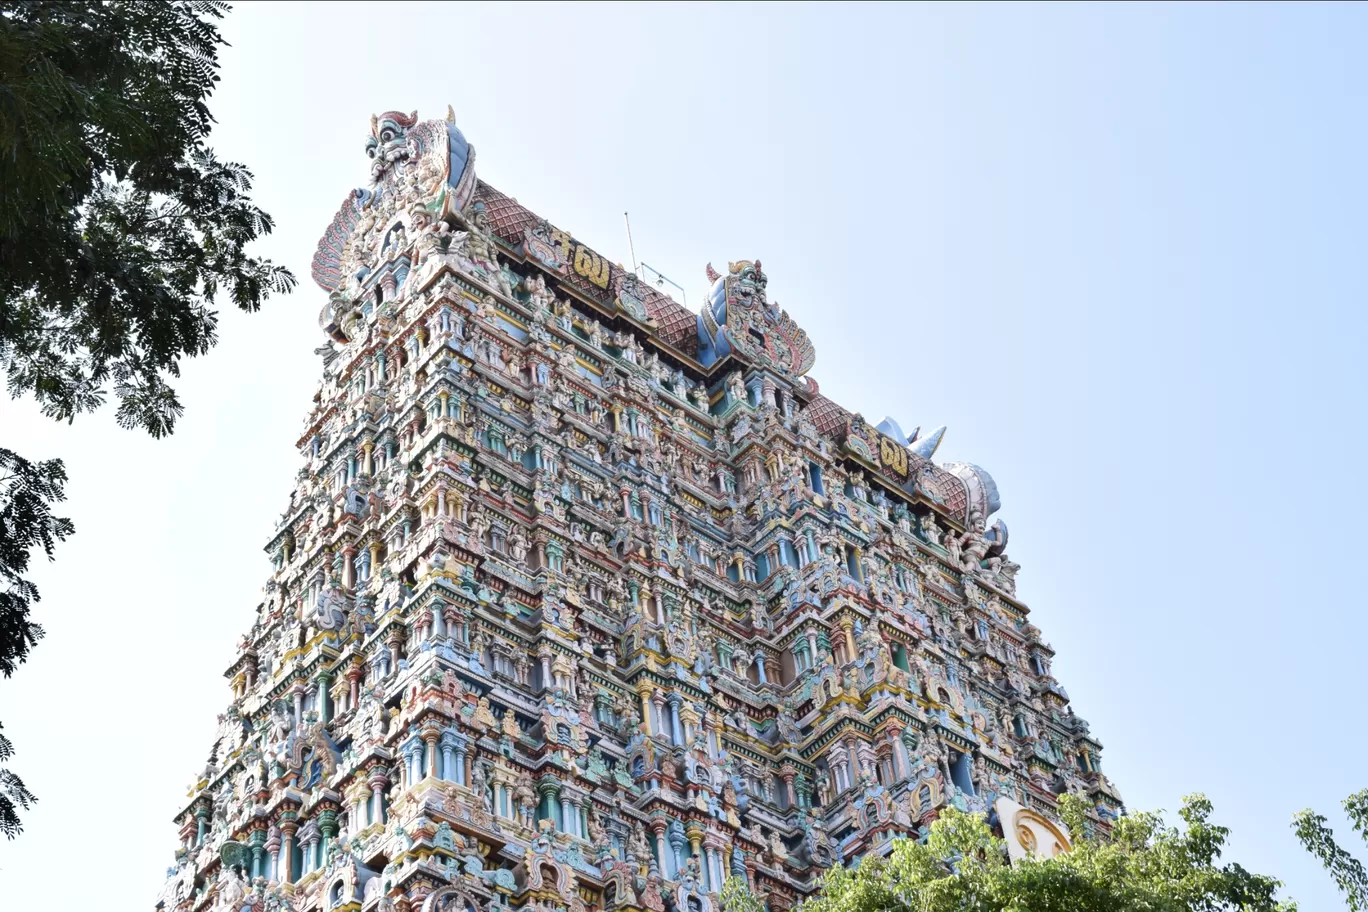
x: 893, y: 456
x: 592, y: 266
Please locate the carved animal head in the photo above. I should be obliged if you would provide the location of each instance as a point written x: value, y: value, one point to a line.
x: 388, y: 140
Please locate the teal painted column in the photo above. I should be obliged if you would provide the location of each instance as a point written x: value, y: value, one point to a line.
x: 201, y: 824
x: 258, y: 843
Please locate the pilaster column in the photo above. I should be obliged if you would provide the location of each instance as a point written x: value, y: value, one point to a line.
x: 688, y: 720
x: 349, y: 567
x: 448, y: 757
x: 788, y: 773
x: 354, y: 673
x: 378, y: 780
x: 413, y: 755
x: 287, y: 831
x: 676, y: 730
x: 643, y: 689
x: 202, y: 812
x: 438, y: 621
x: 461, y: 778
x: 838, y: 763
x: 661, y: 717
x: 360, y: 806
x: 570, y: 814
x: 327, y: 826
x: 549, y: 789
x: 322, y: 682
x: 677, y: 843
x: 430, y: 740
x: 900, y: 759
x: 847, y: 628
x: 663, y: 853
x: 695, y: 837
x: 258, y: 844
x: 272, y: 846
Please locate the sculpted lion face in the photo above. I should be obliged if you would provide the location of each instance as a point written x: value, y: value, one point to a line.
x: 388, y: 143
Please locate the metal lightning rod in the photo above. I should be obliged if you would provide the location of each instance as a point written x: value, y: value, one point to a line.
x: 630, y: 247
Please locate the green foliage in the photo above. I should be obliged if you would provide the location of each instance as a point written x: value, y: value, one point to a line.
x: 13, y: 794
x: 27, y: 492
x: 1142, y: 866
x: 1318, y: 839
x: 118, y: 229
x: 118, y: 225
x: 737, y: 897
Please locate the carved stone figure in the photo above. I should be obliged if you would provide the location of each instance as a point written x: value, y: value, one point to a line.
x: 930, y: 531
x: 231, y: 891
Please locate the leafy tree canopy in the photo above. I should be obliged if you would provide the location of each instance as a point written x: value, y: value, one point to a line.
x: 1318, y: 839
x: 118, y: 225
x: 1142, y: 866
x: 118, y: 229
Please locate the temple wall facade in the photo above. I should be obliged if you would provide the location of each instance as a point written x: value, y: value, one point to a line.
x: 585, y: 601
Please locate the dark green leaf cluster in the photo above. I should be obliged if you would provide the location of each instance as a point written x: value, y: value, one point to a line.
x: 13, y: 794
x: 118, y: 225
x: 27, y: 492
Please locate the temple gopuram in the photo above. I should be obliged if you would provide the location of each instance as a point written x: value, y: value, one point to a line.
x: 585, y: 602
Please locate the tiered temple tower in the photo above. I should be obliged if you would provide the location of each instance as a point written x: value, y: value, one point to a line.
x: 584, y: 601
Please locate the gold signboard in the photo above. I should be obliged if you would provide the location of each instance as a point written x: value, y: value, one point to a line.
x: 560, y: 252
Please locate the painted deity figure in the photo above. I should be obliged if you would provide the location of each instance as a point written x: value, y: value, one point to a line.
x: 457, y: 254
x: 540, y: 298
x: 930, y: 531
x: 975, y: 545
x: 481, y: 243
x: 736, y: 387
x: 431, y: 236
x: 517, y: 545
x: 231, y: 891
x: 777, y: 848
x: 282, y: 723
x: 637, y: 846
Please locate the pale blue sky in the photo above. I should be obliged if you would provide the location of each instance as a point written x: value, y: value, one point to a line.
x: 1117, y: 249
